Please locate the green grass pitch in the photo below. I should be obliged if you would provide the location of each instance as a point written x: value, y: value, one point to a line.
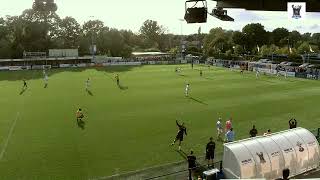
x: 131, y: 127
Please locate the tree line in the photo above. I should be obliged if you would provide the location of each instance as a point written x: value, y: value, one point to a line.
x: 36, y: 30
x: 255, y: 40
x: 39, y: 30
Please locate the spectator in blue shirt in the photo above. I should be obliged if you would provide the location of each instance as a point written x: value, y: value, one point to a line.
x: 230, y: 135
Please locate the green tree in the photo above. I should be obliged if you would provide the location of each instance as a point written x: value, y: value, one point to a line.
x: 217, y: 41
x: 306, y: 37
x: 92, y: 26
x: 238, y: 50
x: 255, y: 35
x: 89, y: 35
x: 174, y: 51
x: 280, y: 36
x: 304, y: 48
x: 239, y: 38
x: 104, y: 41
x: 294, y: 38
x: 152, y: 33
x: 44, y: 5
x: 39, y: 30
x: 316, y: 39
x: 268, y: 50
x: 5, y: 49
x: 69, y: 32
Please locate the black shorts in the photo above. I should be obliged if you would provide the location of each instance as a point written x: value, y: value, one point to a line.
x: 209, y: 155
x: 179, y: 137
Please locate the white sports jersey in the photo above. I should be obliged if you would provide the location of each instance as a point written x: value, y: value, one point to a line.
x: 187, y: 87
x: 219, y: 125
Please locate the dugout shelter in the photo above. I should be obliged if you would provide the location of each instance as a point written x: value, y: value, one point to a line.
x: 266, y: 156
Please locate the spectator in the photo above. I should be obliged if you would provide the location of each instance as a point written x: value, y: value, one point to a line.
x: 253, y: 132
x: 210, y: 148
x: 219, y: 129
x: 285, y: 175
x: 228, y: 124
x: 267, y: 133
x: 191, y: 164
x: 292, y: 123
x: 230, y: 135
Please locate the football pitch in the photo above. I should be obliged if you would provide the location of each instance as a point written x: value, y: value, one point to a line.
x: 130, y: 127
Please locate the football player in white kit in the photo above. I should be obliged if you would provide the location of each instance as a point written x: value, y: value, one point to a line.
x: 187, y: 90
x: 257, y: 74
x: 87, y: 84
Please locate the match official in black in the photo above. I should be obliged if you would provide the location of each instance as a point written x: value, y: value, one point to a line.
x: 191, y: 164
x: 211, y: 146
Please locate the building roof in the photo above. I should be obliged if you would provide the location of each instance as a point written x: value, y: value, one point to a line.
x: 45, y: 59
x: 149, y: 53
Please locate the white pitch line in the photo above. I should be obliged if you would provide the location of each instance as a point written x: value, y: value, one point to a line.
x: 136, y: 171
x: 9, y: 136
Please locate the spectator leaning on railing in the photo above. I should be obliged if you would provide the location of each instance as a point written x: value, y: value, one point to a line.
x: 292, y: 123
x: 230, y: 135
x: 253, y: 132
x: 267, y: 133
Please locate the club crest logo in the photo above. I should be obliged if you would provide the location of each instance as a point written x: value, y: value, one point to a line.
x: 296, y: 11
x: 260, y: 155
x: 301, y: 149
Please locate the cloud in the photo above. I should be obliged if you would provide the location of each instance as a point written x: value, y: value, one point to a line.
x: 131, y: 15
x: 315, y: 26
x: 245, y: 16
x: 313, y: 15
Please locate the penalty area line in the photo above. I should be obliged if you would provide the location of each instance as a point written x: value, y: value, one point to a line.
x: 13, y: 125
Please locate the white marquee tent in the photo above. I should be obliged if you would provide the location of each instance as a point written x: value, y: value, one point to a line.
x: 266, y: 156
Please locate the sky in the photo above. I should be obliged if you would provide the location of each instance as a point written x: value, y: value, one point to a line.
x: 130, y: 14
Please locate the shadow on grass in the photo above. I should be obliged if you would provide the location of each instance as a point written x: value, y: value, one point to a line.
x: 198, y: 101
x: 183, y: 75
x: 115, y: 69
x: 23, y: 90
x: 182, y: 154
x: 89, y: 92
x: 209, y: 78
x: 293, y: 80
x: 123, y: 87
x: 265, y: 80
x: 38, y: 74
x: 81, y: 124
